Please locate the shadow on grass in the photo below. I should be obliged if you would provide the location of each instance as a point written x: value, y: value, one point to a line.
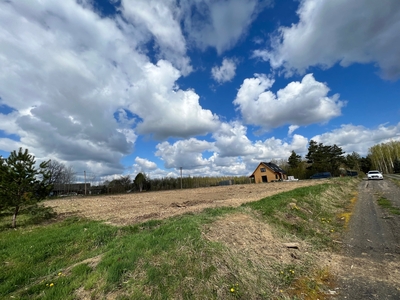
x: 28, y: 216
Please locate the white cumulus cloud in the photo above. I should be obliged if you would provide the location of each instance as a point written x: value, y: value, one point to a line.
x: 359, y: 138
x: 231, y: 140
x: 292, y: 128
x: 187, y: 154
x: 225, y: 72
x: 299, y: 103
x: 165, y: 110
x: 80, y: 87
x: 161, y: 19
x: 347, y: 32
x: 143, y: 164
x: 232, y: 153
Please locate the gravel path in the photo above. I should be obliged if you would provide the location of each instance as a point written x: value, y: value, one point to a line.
x: 370, y: 266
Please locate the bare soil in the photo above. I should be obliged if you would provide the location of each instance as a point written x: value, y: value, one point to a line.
x: 124, y: 209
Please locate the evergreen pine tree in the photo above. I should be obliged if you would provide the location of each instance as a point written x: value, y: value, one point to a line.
x: 21, y: 184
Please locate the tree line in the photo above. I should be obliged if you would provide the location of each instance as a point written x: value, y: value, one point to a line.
x: 22, y: 183
x: 384, y: 157
x: 320, y: 158
x: 143, y: 182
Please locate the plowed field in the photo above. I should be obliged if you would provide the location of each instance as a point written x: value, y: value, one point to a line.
x: 132, y: 208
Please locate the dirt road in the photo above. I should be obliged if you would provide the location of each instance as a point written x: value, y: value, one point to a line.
x: 370, y: 265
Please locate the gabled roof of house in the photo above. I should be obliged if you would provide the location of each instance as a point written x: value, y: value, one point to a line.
x: 274, y: 167
x: 271, y: 166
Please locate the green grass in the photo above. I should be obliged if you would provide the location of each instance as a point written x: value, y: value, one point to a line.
x: 30, y: 215
x: 30, y: 256
x: 387, y: 204
x: 309, y: 213
x: 171, y: 259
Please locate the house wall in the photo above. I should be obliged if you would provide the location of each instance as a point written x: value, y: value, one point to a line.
x: 258, y: 174
x: 271, y: 175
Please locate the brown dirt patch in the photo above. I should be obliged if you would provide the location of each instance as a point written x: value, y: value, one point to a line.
x: 244, y: 234
x: 138, y: 207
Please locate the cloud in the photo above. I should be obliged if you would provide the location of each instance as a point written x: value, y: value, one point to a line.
x: 225, y: 72
x: 347, y: 32
x: 165, y: 110
x: 359, y: 138
x: 186, y: 153
x: 292, y: 128
x: 219, y: 24
x: 174, y: 26
x: 231, y: 141
x: 80, y: 87
x: 162, y: 20
x: 276, y: 149
x: 65, y: 79
x: 143, y: 164
x: 299, y: 103
x: 246, y: 155
x: 232, y: 153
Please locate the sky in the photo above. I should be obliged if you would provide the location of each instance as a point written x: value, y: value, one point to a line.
x: 117, y: 87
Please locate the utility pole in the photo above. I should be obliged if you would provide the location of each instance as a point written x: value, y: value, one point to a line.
x: 84, y: 172
x: 181, y: 176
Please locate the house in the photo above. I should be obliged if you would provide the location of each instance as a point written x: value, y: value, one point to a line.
x: 268, y: 172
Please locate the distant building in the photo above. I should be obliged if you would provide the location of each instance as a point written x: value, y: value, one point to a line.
x: 268, y: 172
x: 64, y: 189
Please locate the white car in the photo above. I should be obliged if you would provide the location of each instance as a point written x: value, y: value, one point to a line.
x: 374, y: 175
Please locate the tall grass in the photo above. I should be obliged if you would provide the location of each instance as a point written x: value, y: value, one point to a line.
x: 309, y: 213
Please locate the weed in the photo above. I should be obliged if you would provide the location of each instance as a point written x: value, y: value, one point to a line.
x: 387, y: 204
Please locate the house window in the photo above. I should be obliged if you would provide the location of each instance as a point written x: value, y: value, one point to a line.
x: 263, y: 170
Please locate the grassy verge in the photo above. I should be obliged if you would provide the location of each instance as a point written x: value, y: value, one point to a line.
x: 396, y: 181
x: 221, y: 253
x: 387, y: 204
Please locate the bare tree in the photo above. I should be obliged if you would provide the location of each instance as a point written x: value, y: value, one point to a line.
x: 56, y: 170
x: 67, y: 178
x: 126, y: 182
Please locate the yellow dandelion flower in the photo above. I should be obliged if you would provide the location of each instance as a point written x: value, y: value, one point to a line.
x: 51, y: 284
x: 59, y: 274
x: 232, y: 290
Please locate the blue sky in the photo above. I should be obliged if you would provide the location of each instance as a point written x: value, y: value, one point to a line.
x: 213, y: 86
